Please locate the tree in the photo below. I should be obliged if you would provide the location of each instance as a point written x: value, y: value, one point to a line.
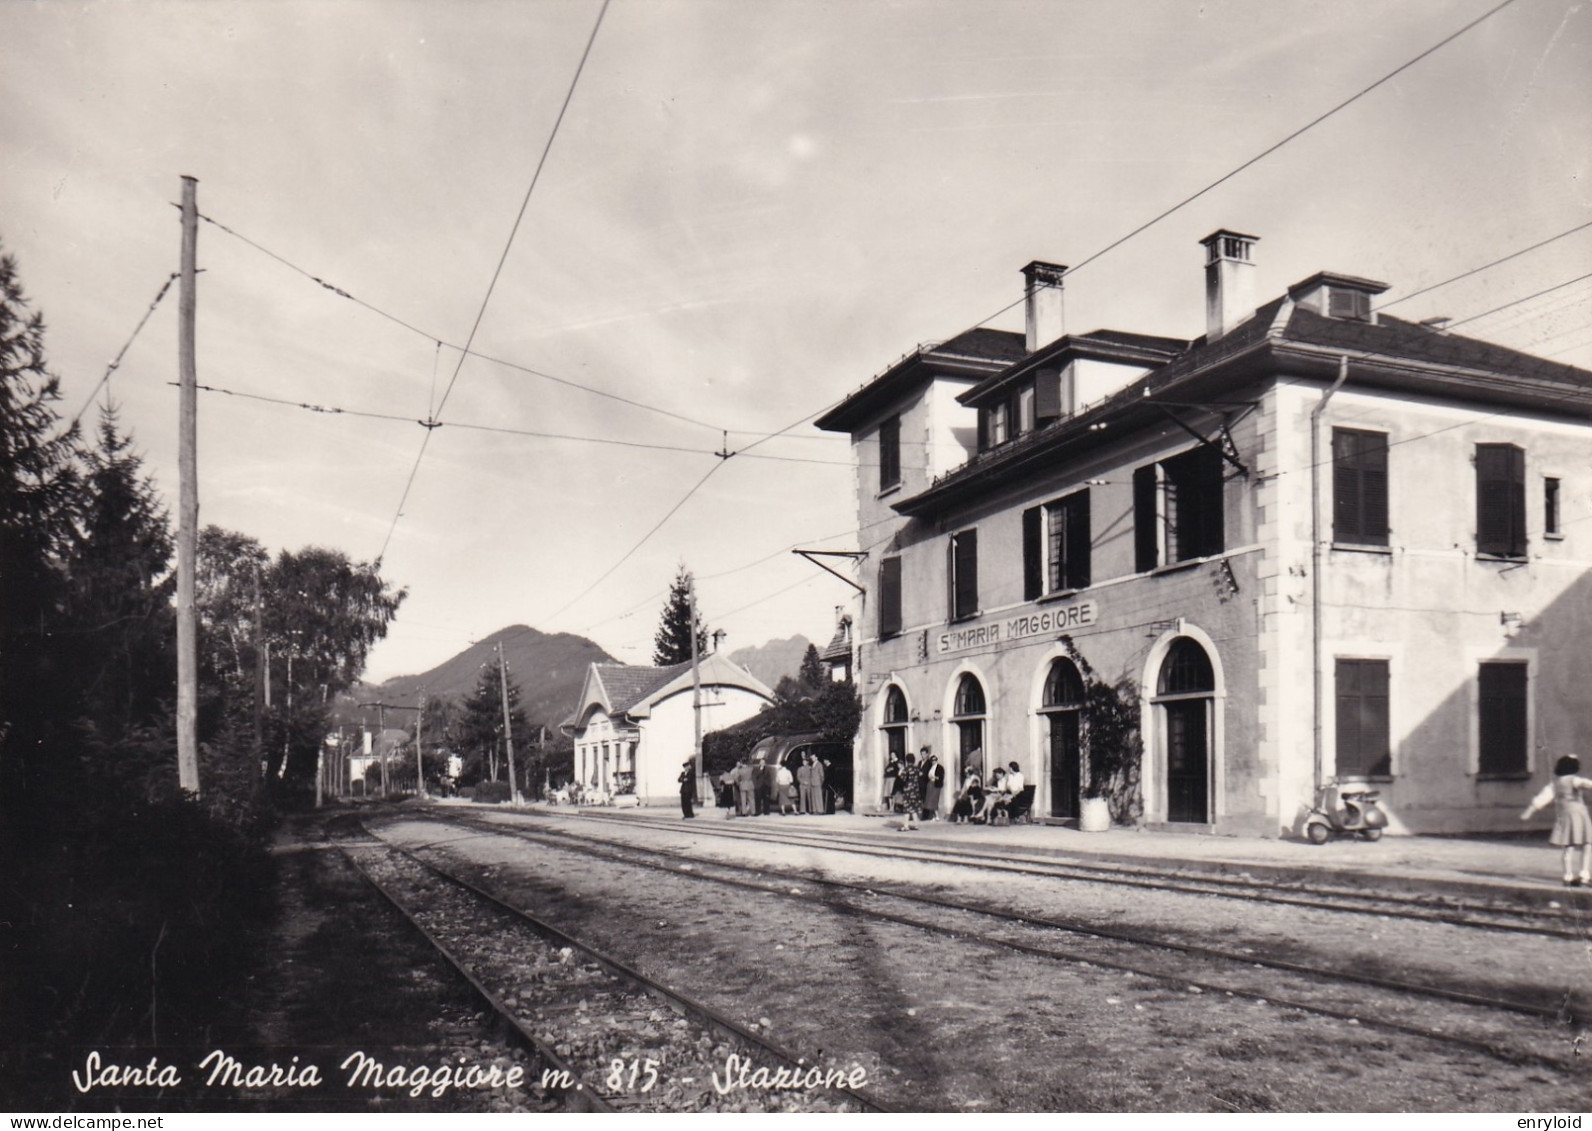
x: 480, y: 727
x: 120, y: 631
x: 672, y: 645
x: 38, y: 489
x: 812, y: 670
x: 314, y: 612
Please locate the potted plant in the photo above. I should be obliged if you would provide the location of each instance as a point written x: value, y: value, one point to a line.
x: 1112, y: 748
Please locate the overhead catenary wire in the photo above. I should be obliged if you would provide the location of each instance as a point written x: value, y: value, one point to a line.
x: 1484, y: 266
x: 628, y: 554
x: 366, y: 414
x: 497, y: 272
x: 1268, y: 151
x: 122, y: 353
x: 443, y: 343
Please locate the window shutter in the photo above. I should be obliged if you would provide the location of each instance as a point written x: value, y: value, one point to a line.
x: 1145, y: 540
x: 890, y: 453
x: 1500, y: 500
x: 1501, y: 718
x: 964, y: 574
x: 1210, y: 537
x: 889, y: 597
x: 1078, y: 542
x: 1362, y: 718
x: 1033, y: 554
x: 1359, y: 487
x: 1047, y: 396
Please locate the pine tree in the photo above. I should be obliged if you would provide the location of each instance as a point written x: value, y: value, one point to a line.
x: 121, y: 628
x: 38, y: 488
x: 479, y: 730
x: 812, y: 669
x: 672, y: 645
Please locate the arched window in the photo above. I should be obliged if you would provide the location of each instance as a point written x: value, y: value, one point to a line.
x: 1063, y: 687
x: 967, y: 715
x: 895, y: 706
x: 1184, y: 691
x: 1186, y: 670
x: 895, y: 723
x: 1062, y: 707
x: 969, y: 697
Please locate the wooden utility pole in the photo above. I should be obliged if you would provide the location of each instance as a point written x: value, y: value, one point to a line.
x: 508, y: 730
x: 420, y: 748
x: 188, y: 508
x: 696, y: 692
x: 381, y: 742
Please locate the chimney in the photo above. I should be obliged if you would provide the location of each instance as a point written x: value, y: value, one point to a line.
x: 1042, y: 302
x: 1229, y: 280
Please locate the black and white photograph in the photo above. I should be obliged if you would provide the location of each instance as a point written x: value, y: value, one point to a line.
x: 795, y: 556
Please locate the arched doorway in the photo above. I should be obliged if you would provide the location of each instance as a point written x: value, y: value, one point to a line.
x: 967, y: 715
x: 895, y: 723
x: 1062, y: 706
x: 1185, y: 691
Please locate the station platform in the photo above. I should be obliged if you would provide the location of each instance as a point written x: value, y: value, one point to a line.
x: 1523, y: 869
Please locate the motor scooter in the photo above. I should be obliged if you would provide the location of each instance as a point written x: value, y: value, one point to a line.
x: 1355, y: 814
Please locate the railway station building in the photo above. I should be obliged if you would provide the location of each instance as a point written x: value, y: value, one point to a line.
x: 1318, y: 546
x: 634, y: 725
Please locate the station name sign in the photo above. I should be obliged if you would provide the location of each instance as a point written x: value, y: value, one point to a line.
x: 1024, y: 627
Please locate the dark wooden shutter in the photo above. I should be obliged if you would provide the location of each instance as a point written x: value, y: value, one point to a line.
x: 889, y: 597
x: 1078, y: 542
x: 1500, y: 500
x: 1145, y: 538
x: 890, y: 453
x: 1033, y: 554
x: 1362, y: 717
x: 1047, y: 396
x: 964, y: 574
x: 1195, y: 477
x: 1359, y: 487
x: 1501, y: 718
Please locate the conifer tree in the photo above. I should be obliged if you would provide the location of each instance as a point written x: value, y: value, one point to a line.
x: 672, y: 645
x: 38, y: 488
x: 121, y: 633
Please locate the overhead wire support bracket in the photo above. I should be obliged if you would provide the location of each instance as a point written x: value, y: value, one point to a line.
x: 1222, y: 442
x: 724, y: 447
x: 813, y: 556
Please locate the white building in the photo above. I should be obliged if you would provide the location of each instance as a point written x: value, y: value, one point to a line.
x: 635, y: 726
x: 1318, y: 545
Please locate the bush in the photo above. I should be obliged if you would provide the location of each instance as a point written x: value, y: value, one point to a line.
x: 491, y: 792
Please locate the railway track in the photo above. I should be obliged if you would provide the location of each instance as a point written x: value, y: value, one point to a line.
x: 1469, y: 1020
x: 1558, y: 923
x: 611, y: 1037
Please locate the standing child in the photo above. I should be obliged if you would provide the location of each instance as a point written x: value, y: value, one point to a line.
x: 1572, y: 825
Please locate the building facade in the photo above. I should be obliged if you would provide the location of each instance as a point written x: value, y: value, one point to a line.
x: 1318, y: 546
x: 635, y: 726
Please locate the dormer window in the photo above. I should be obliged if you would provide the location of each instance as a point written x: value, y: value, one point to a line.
x: 1352, y: 306
x: 999, y: 423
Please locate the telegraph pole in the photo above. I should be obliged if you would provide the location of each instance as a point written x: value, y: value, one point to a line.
x: 420, y: 747
x: 508, y: 730
x: 696, y: 691
x: 188, y: 507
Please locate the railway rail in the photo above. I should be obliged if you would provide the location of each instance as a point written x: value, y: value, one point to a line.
x: 613, y: 1038
x: 1558, y: 922
x: 1380, y: 1002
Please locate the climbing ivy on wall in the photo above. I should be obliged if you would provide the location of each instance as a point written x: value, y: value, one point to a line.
x: 1112, y: 742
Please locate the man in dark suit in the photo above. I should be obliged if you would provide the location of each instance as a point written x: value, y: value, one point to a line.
x: 688, y: 788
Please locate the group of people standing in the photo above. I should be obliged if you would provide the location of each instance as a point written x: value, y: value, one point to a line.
x: 915, y: 783
x: 757, y: 788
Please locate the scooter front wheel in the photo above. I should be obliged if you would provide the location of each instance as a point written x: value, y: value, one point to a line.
x: 1373, y: 834
x: 1317, y: 833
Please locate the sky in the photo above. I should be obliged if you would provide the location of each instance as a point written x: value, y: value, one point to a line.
x: 747, y: 210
